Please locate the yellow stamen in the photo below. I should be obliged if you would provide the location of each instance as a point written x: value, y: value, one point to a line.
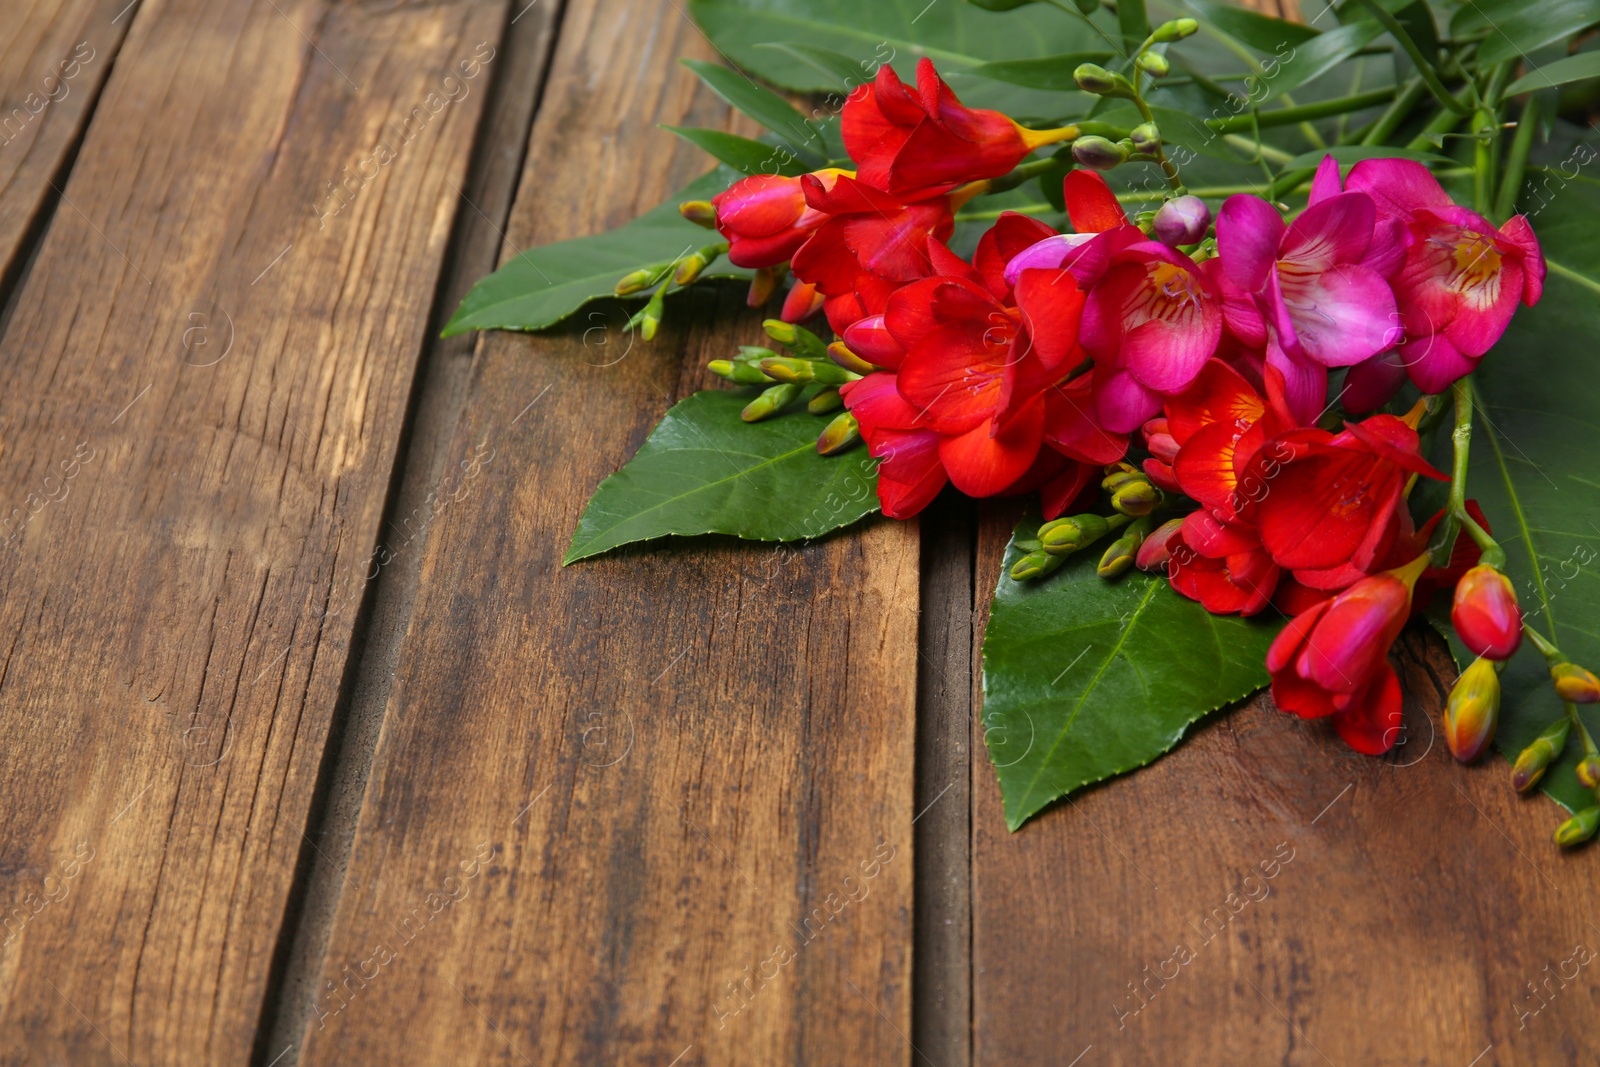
x: 1038, y: 138
x: 1414, y: 416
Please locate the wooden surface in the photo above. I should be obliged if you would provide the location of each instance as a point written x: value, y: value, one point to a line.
x: 270, y: 803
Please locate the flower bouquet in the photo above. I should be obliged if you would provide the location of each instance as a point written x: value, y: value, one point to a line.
x: 1261, y: 363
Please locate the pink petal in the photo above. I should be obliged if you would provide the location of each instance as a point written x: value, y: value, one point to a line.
x: 1371, y: 383
x: 1397, y: 186
x: 1326, y: 184
x: 1305, y: 384
x: 1436, y: 363
x: 1518, y: 232
x: 1249, y: 231
x: 1338, y: 230
x: 1166, y: 356
x: 1342, y: 315
x: 1062, y: 250
x: 1122, y: 404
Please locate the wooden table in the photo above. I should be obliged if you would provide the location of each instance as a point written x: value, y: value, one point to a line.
x: 314, y: 754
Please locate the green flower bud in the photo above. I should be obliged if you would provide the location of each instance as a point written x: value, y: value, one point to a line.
x: 785, y: 369
x: 1579, y: 828
x: 1589, y: 772
x: 771, y: 402
x: 1145, y: 137
x: 1035, y: 565
x: 839, y: 434
x: 1176, y: 30
x: 824, y: 402
x: 738, y: 371
x: 691, y: 266
x: 1533, y: 760
x: 1099, y: 153
x: 1153, y: 63
x: 840, y: 354
x: 798, y: 338
x: 1066, y: 535
x: 699, y: 212
x: 1574, y: 683
x: 1093, y: 78
x: 1136, y: 497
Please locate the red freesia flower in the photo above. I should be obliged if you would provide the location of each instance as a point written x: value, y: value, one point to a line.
x: 923, y: 141
x: 870, y: 240
x: 765, y: 217
x: 1332, y: 659
x: 1333, y: 507
x: 1485, y: 613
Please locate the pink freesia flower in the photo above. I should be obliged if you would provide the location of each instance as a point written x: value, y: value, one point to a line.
x: 1457, y: 278
x: 1318, y: 284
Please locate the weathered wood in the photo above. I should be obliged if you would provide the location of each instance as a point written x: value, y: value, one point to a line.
x: 1332, y: 908
x: 607, y: 798
x: 202, y: 390
x: 54, y: 58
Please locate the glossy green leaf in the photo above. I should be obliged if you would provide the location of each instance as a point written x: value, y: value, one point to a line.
x: 1084, y: 678
x: 544, y: 285
x: 741, y: 153
x: 955, y: 35
x: 704, y: 471
x: 1047, y: 72
x: 843, y: 74
x: 1576, y: 68
x: 1515, y: 27
x: 1312, y: 59
x: 766, y: 107
x: 1533, y: 468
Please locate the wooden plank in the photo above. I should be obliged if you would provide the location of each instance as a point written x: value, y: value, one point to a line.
x: 54, y: 59
x: 1266, y: 895
x: 607, y: 798
x: 205, y: 382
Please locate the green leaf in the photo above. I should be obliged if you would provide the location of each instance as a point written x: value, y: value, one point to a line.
x: 1516, y: 27
x: 544, y: 285
x: 1533, y: 469
x: 704, y: 471
x: 1133, y: 22
x: 741, y: 153
x: 1047, y: 72
x: 1350, y: 154
x: 844, y: 74
x: 1261, y: 32
x: 871, y: 33
x: 1314, y: 58
x: 1085, y: 678
x: 766, y: 107
x: 1576, y: 68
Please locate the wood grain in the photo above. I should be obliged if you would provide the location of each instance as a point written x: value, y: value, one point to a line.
x: 1266, y: 895
x: 202, y: 390
x: 608, y: 799
x: 54, y: 58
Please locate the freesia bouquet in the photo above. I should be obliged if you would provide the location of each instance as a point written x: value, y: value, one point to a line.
x: 1246, y: 410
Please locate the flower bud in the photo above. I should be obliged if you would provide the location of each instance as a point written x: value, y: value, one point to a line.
x: 1069, y: 534
x: 1035, y: 565
x: 699, y: 212
x: 1119, y: 474
x: 691, y: 266
x: 647, y: 320
x: 1099, y: 153
x: 1146, y: 138
x: 802, y: 302
x: 1153, y: 63
x: 1157, y: 549
x: 741, y: 372
x: 1137, y: 498
x: 1533, y: 760
x: 1119, y: 555
x: 825, y: 402
x: 771, y: 402
x: 839, y: 434
x: 1589, y: 772
x: 1182, y: 221
x: 1473, y: 712
x: 798, y: 338
x: 840, y: 354
x: 1579, y: 828
x: 785, y: 369
x: 1485, y: 613
x: 762, y: 286
x: 1574, y: 683
x: 1176, y: 30
x: 1093, y: 78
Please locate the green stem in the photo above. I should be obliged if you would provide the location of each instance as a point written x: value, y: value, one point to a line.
x: 1441, y: 124
x: 1505, y: 204
x: 1290, y: 115
x: 1390, y: 120
x: 1168, y: 168
x: 1456, y: 517
x: 1425, y: 70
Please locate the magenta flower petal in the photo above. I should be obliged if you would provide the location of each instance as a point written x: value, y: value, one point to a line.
x: 1305, y: 385
x: 1338, y: 230
x: 1342, y: 315
x: 1397, y: 186
x: 1326, y: 184
x: 1373, y: 382
x: 1167, y: 355
x: 1433, y: 363
x: 1249, y: 231
x: 1520, y: 233
x: 1121, y: 403
x: 1052, y: 253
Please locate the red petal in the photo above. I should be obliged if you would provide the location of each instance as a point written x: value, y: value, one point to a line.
x: 1091, y: 204
x: 983, y: 465
x: 1371, y: 723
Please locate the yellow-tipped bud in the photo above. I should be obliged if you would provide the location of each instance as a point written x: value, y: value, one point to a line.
x: 635, y: 282
x: 741, y: 372
x: 1473, y: 712
x: 1118, y: 558
x: 839, y: 434
x: 847, y: 359
x: 1065, y: 535
x: 1136, y: 497
x: 824, y: 402
x: 690, y: 267
x: 1579, y: 828
x: 762, y: 286
x: 1533, y: 760
x: 770, y: 402
x: 1035, y: 565
x: 1574, y: 683
x: 699, y: 212
x: 1589, y: 772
